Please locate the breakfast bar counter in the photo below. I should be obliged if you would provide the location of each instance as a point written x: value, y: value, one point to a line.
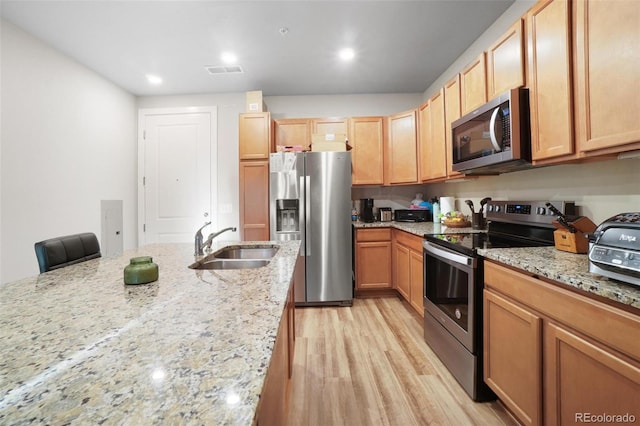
x: 77, y: 346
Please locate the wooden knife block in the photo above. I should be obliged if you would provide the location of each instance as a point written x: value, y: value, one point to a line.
x: 574, y: 242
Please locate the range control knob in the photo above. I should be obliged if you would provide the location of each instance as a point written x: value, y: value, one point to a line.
x: 497, y: 209
x: 490, y: 208
x: 541, y: 210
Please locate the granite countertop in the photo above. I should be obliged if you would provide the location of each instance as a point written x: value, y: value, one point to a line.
x: 566, y: 268
x: 416, y: 228
x: 79, y: 346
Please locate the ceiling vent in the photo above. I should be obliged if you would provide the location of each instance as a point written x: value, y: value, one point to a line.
x: 222, y: 69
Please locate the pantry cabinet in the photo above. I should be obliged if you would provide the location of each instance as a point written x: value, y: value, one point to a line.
x: 291, y: 132
x: 402, y: 167
x: 407, y: 266
x: 505, y: 62
x: 366, y: 136
x: 551, y: 354
x: 607, y: 87
x: 432, y: 143
x: 373, y: 259
x: 473, y: 85
x: 549, y: 81
x: 254, y: 200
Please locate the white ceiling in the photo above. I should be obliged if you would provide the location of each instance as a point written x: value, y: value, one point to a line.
x: 401, y: 46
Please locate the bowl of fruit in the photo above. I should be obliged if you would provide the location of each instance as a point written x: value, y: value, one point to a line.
x: 455, y: 219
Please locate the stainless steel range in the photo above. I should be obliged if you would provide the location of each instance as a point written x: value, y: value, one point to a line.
x: 454, y: 279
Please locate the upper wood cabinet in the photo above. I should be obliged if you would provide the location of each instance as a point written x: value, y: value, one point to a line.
x: 292, y: 131
x: 330, y: 125
x: 402, y: 166
x: 451, y: 113
x: 549, y: 80
x: 473, y: 85
x: 366, y: 136
x: 432, y: 143
x: 254, y: 136
x: 607, y: 86
x: 505, y: 62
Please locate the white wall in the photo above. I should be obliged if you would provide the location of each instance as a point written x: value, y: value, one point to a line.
x: 68, y: 141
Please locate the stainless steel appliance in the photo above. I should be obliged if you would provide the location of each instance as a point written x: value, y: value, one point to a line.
x: 367, y: 214
x: 454, y: 279
x: 412, y: 215
x: 614, y: 248
x: 495, y: 138
x: 310, y: 200
x: 386, y: 214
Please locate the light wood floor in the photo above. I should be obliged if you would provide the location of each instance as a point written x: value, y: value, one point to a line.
x: 369, y: 365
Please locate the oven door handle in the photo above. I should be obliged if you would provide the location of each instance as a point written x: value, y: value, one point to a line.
x: 446, y: 254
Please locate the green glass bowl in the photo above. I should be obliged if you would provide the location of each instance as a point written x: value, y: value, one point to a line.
x: 140, y: 270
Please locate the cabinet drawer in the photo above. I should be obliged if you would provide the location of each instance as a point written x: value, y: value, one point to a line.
x: 373, y: 234
x: 409, y: 240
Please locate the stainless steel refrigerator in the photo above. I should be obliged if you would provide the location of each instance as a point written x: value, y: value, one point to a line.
x: 310, y: 200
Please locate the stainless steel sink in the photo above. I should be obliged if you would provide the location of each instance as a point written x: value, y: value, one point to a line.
x: 237, y: 257
x: 230, y: 264
x: 250, y: 252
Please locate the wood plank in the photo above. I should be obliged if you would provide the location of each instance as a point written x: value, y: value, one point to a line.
x: 369, y: 365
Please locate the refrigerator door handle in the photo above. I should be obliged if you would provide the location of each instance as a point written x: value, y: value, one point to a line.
x: 303, y: 215
x: 307, y: 215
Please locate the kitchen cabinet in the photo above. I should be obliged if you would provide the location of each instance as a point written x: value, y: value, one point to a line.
x: 373, y: 259
x: 607, y: 65
x: 407, y: 266
x: 549, y: 81
x: 505, y: 62
x: 292, y: 131
x: 402, y: 164
x: 254, y: 200
x: 366, y: 136
x: 473, y: 85
x: 274, y: 399
x: 432, y: 143
x: 329, y: 125
x: 551, y: 354
x: 254, y: 136
x: 451, y: 114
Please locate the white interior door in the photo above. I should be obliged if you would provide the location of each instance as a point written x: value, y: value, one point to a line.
x: 178, y: 186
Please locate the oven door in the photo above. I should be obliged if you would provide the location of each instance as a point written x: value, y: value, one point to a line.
x: 450, y: 291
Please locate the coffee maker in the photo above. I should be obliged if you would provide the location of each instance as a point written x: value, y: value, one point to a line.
x: 366, y: 212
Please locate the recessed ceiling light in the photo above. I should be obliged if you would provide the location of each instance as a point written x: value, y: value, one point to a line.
x: 347, y: 54
x: 229, y: 58
x: 153, y: 79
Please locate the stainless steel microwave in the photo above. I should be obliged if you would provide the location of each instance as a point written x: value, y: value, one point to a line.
x: 495, y: 138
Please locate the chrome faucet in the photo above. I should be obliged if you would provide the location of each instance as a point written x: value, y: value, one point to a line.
x: 198, y: 251
x: 207, y: 244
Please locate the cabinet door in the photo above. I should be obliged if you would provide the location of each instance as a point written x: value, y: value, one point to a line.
x: 416, y: 280
x: 505, y: 62
x: 254, y: 200
x: 402, y: 147
x: 473, y: 85
x: 433, y: 160
x: 607, y: 52
x: 402, y: 271
x: 373, y: 265
x: 292, y: 131
x: 549, y: 79
x: 366, y: 136
x: 452, y: 113
x: 512, y: 356
x: 329, y: 125
x: 255, y: 136
x: 582, y: 377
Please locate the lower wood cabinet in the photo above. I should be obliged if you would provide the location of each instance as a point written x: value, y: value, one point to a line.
x: 407, y: 265
x: 274, y: 399
x: 254, y: 200
x: 556, y: 357
x: 373, y: 259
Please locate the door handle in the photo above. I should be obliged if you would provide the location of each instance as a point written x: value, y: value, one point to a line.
x: 492, y: 130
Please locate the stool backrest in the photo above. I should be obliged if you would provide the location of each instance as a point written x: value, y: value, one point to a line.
x: 59, y: 252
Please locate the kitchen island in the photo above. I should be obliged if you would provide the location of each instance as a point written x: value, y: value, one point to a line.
x: 79, y: 346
